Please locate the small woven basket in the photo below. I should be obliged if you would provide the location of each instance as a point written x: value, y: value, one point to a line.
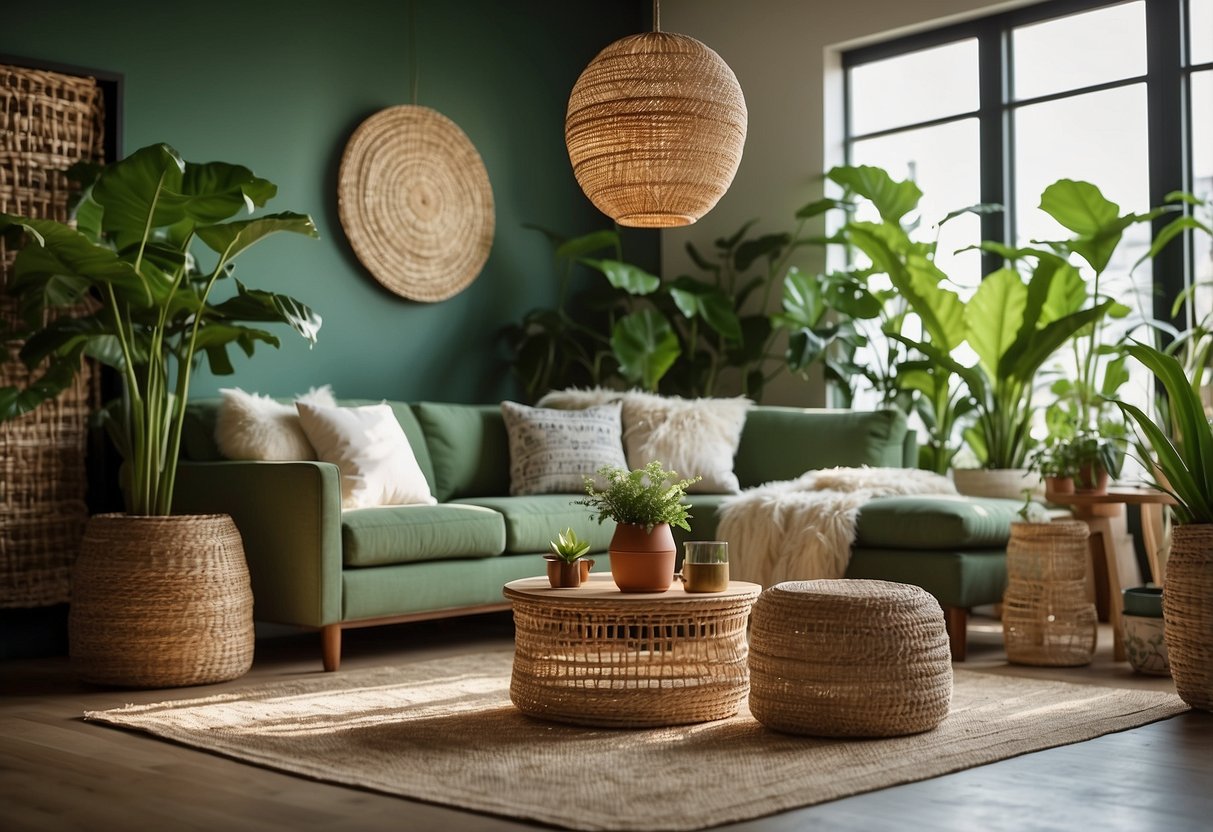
x: 1047, y: 619
x: 849, y: 658
x: 1187, y: 607
x: 161, y: 602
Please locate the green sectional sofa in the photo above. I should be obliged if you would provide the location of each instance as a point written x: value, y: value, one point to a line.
x: 314, y: 565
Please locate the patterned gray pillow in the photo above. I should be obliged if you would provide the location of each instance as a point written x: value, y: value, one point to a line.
x: 552, y: 451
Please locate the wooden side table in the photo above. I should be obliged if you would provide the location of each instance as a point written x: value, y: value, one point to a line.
x: 597, y: 656
x: 1098, y: 511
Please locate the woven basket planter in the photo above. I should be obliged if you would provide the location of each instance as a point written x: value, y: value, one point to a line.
x: 1187, y: 608
x: 1005, y: 483
x: 1047, y: 619
x: 849, y: 658
x: 161, y: 602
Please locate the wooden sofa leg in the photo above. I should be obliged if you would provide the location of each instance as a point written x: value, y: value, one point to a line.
x: 330, y: 638
x: 957, y: 621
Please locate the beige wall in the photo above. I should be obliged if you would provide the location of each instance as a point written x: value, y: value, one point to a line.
x: 786, y: 57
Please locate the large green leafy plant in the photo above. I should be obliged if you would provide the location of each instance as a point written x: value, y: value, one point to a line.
x: 148, y: 310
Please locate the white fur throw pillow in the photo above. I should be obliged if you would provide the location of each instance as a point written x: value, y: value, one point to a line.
x: 574, y: 398
x: 553, y: 451
x: 378, y: 467
x: 251, y: 426
x: 695, y: 437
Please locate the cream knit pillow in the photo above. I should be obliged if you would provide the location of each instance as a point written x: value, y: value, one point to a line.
x: 377, y: 464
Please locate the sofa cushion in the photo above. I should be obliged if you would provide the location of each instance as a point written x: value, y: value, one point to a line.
x: 532, y: 522
x: 781, y: 443
x: 468, y: 447
x: 957, y: 578
x: 408, y: 534
x: 936, y: 522
x: 554, y: 451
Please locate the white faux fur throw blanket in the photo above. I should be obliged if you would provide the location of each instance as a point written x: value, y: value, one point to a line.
x: 802, y: 529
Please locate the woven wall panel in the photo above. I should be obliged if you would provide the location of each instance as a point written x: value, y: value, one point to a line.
x: 48, y: 121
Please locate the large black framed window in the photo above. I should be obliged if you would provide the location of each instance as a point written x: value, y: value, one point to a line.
x: 993, y: 110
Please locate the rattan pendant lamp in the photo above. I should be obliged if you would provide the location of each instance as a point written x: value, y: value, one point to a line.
x: 655, y: 128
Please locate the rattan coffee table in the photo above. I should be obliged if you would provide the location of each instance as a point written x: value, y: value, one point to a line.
x: 597, y: 656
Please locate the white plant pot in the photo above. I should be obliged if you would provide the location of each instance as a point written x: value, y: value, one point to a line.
x: 1144, y: 645
x: 1008, y: 483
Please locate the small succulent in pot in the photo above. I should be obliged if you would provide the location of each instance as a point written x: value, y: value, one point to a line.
x: 568, y: 547
x: 567, y: 564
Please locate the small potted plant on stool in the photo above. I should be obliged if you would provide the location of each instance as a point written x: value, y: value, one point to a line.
x: 567, y: 565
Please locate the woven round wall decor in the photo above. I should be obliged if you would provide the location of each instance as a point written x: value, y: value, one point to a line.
x: 415, y: 202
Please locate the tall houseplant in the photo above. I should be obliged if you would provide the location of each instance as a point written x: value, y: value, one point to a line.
x: 131, y: 257
x: 1183, y: 460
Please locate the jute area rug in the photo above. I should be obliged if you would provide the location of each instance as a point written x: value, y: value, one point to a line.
x: 444, y: 731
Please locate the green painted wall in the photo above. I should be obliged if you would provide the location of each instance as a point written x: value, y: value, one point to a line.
x: 279, y: 86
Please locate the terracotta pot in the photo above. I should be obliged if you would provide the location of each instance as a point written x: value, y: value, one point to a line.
x: 1092, y: 478
x: 1059, y: 485
x: 643, y: 561
x: 1187, y: 607
x: 160, y: 602
x: 564, y: 574
x: 586, y: 565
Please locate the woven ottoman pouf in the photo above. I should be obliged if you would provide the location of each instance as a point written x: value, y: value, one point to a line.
x: 849, y: 658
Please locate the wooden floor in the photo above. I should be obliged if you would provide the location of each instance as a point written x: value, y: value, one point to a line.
x: 56, y: 772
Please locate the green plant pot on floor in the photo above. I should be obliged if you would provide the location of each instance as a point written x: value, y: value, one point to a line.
x: 1143, y: 623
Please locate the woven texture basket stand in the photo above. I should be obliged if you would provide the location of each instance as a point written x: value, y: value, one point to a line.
x: 48, y: 121
x: 1047, y: 617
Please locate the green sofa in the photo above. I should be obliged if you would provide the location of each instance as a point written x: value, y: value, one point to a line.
x: 313, y: 565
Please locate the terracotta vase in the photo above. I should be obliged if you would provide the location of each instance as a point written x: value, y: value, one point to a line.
x: 643, y: 561
x: 1187, y: 608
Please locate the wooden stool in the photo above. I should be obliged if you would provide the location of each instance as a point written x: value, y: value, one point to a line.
x: 849, y: 658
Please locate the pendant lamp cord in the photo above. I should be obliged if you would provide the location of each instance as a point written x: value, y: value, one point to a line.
x: 413, y: 70
x: 656, y: 15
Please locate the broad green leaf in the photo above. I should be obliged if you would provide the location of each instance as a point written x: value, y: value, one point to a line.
x: 978, y: 209
x: 214, y: 191
x: 57, y: 377
x: 1079, y: 207
x: 803, y: 304
x: 696, y: 299
x: 755, y: 330
x: 579, y: 247
x: 726, y: 244
x: 768, y: 245
x: 1067, y: 292
x: 941, y: 310
x: 64, y: 336
x: 631, y: 279
x: 994, y: 316
x: 133, y: 193
x: 58, y: 251
x: 1169, y: 232
x: 1027, y: 355
x: 849, y: 296
x: 820, y: 206
x: 646, y: 347
x: 893, y: 200
x: 232, y: 238
x: 258, y: 305
x: 804, y: 347
x: 1115, y: 375
x: 1183, y: 196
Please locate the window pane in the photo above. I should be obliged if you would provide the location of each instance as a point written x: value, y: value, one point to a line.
x: 1200, y: 28
x: 944, y: 162
x: 1079, y: 50
x: 1100, y: 138
x: 920, y: 86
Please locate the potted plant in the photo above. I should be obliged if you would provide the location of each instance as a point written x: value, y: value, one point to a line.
x: 1183, y: 462
x: 567, y: 564
x: 644, y: 504
x: 156, y: 600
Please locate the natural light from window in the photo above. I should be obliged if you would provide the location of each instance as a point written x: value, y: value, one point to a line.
x: 1079, y: 51
x: 914, y: 88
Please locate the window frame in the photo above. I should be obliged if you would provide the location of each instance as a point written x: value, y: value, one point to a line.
x: 1168, y: 102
